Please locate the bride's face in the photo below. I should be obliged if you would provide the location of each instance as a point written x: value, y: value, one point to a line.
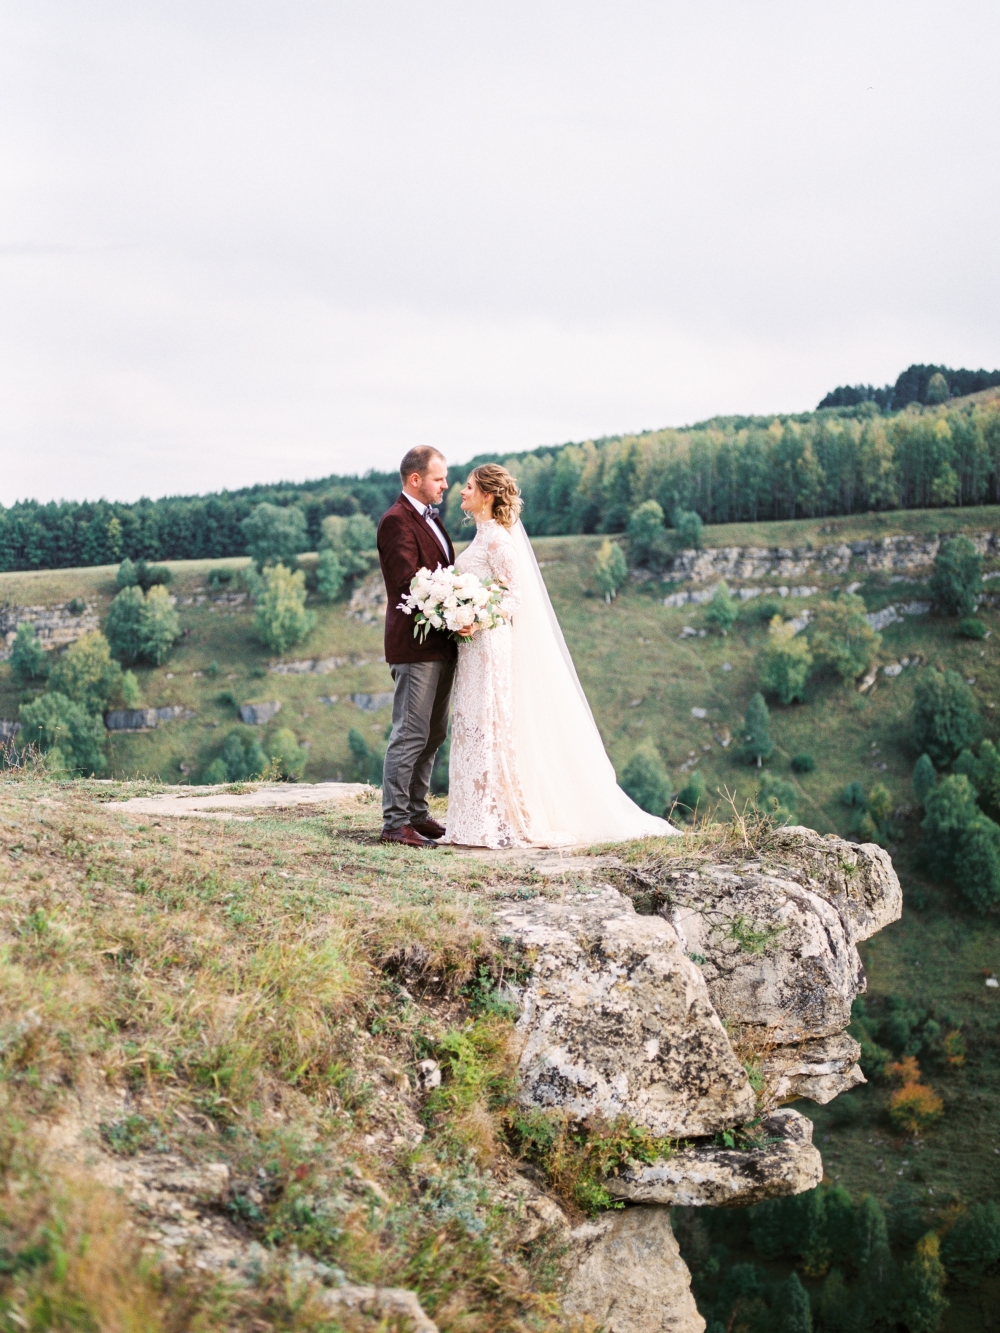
x: 475, y: 501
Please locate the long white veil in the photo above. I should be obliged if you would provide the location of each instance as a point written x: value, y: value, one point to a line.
x: 569, y: 782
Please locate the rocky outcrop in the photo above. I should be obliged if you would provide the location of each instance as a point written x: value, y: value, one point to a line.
x: 903, y: 554
x: 617, y: 1021
x: 630, y: 1277
x: 708, y: 1175
x: 256, y: 715
x: 739, y: 965
x: 394, y: 1307
x: 144, y: 719
x: 56, y: 626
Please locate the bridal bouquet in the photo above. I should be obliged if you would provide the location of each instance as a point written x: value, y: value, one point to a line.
x: 445, y: 599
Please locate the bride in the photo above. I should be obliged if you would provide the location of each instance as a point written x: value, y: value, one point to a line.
x: 527, y: 765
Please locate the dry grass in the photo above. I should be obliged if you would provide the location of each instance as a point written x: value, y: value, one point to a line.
x: 258, y: 993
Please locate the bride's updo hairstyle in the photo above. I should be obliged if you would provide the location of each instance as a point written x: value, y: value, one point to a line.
x: 492, y: 479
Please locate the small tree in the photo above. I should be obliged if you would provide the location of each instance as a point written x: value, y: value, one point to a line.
x: 722, y: 610
x: 803, y: 763
x: 242, y: 758
x: 957, y: 580
x: 28, y: 659
x: 648, y: 542
x: 645, y: 779
x: 159, y: 626
x: 841, y: 638
x: 610, y: 569
x: 55, y: 723
x: 788, y: 663
x: 353, y: 539
x: 287, y: 756
x: 368, y: 762
x: 791, y: 1308
x: 921, y: 1296
x: 87, y: 673
x: 275, y: 534
x: 130, y: 691
x: 945, y: 715
x: 977, y: 863
x: 777, y: 798
x: 971, y: 1245
x: 937, y: 389
x: 330, y: 575
x: 122, y: 624
x: 126, y: 576
x: 281, y: 619
x: 691, y: 797
x: 757, y: 744
x: 924, y: 778
x: 951, y: 808
x: 687, y: 527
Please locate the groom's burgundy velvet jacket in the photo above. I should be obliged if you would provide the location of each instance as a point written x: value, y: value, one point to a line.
x: 406, y: 543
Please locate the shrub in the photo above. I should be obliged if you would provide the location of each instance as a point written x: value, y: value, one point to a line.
x: 610, y: 569
x: 971, y: 1245
x: 841, y: 638
x: 64, y: 729
x: 977, y: 863
x: 275, y: 534
x: 971, y: 628
x: 645, y: 779
x: 853, y: 796
x: 951, y: 808
x: 288, y: 758
x: 777, y: 798
x: 28, y: 659
x: 722, y: 610
x: 945, y: 715
x: 691, y: 797
x: 924, y: 778
x: 687, y: 527
x: 914, y: 1107
x: 762, y: 611
x: 803, y: 763
x: 242, y: 759
x: 440, y: 771
x: 791, y: 1307
x: 788, y: 663
x: 221, y: 577
x: 648, y: 541
x: 122, y: 624
x: 141, y: 575
x: 757, y: 743
x: 87, y: 673
x: 330, y: 575
x: 957, y: 580
x: 130, y: 691
x: 368, y: 763
x: 281, y: 619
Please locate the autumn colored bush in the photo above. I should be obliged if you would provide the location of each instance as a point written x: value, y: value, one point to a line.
x: 914, y: 1108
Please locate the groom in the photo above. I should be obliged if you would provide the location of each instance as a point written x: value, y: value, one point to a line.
x: 411, y: 537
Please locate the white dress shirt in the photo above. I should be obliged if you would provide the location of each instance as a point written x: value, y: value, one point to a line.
x: 421, y: 509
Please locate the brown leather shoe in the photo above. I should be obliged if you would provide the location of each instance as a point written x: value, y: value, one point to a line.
x: 407, y: 835
x: 429, y: 828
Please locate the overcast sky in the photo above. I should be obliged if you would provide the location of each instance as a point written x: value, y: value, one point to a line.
x: 251, y: 241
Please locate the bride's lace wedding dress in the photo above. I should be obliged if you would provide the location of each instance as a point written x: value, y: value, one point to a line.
x: 527, y: 764
x: 486, y: 806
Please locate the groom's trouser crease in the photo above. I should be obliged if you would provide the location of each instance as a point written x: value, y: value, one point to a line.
x: 419, y: 727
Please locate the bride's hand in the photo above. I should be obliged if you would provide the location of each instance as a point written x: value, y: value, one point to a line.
x: 467, y: 631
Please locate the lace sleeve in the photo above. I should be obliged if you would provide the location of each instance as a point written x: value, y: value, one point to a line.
x: 503, y: 566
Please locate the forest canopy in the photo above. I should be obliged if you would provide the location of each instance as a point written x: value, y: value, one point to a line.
x: 835, y: 461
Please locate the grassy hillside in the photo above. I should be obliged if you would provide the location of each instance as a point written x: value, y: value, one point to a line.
x: 643, y: 680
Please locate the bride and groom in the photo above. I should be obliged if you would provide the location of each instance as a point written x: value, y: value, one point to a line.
x: 527, y: 764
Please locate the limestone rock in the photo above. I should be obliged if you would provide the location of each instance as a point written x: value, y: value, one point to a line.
x: 371, y: 703
x: 778, y: 934
x: 630, y: 1276
x: 255, y: 715
x: 820, y: 1069
x: 615, y: 1020
x: 377, y: 1302
x: 720, y: 1177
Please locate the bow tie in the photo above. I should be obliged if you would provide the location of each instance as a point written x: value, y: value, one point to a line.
x: 431, y: 511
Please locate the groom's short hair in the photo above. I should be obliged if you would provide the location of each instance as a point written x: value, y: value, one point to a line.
x: 418, y: 460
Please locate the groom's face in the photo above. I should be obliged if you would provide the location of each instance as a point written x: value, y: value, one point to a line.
x: 429, y: 488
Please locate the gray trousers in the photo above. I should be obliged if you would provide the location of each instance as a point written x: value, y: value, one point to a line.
x: 419, y: 725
